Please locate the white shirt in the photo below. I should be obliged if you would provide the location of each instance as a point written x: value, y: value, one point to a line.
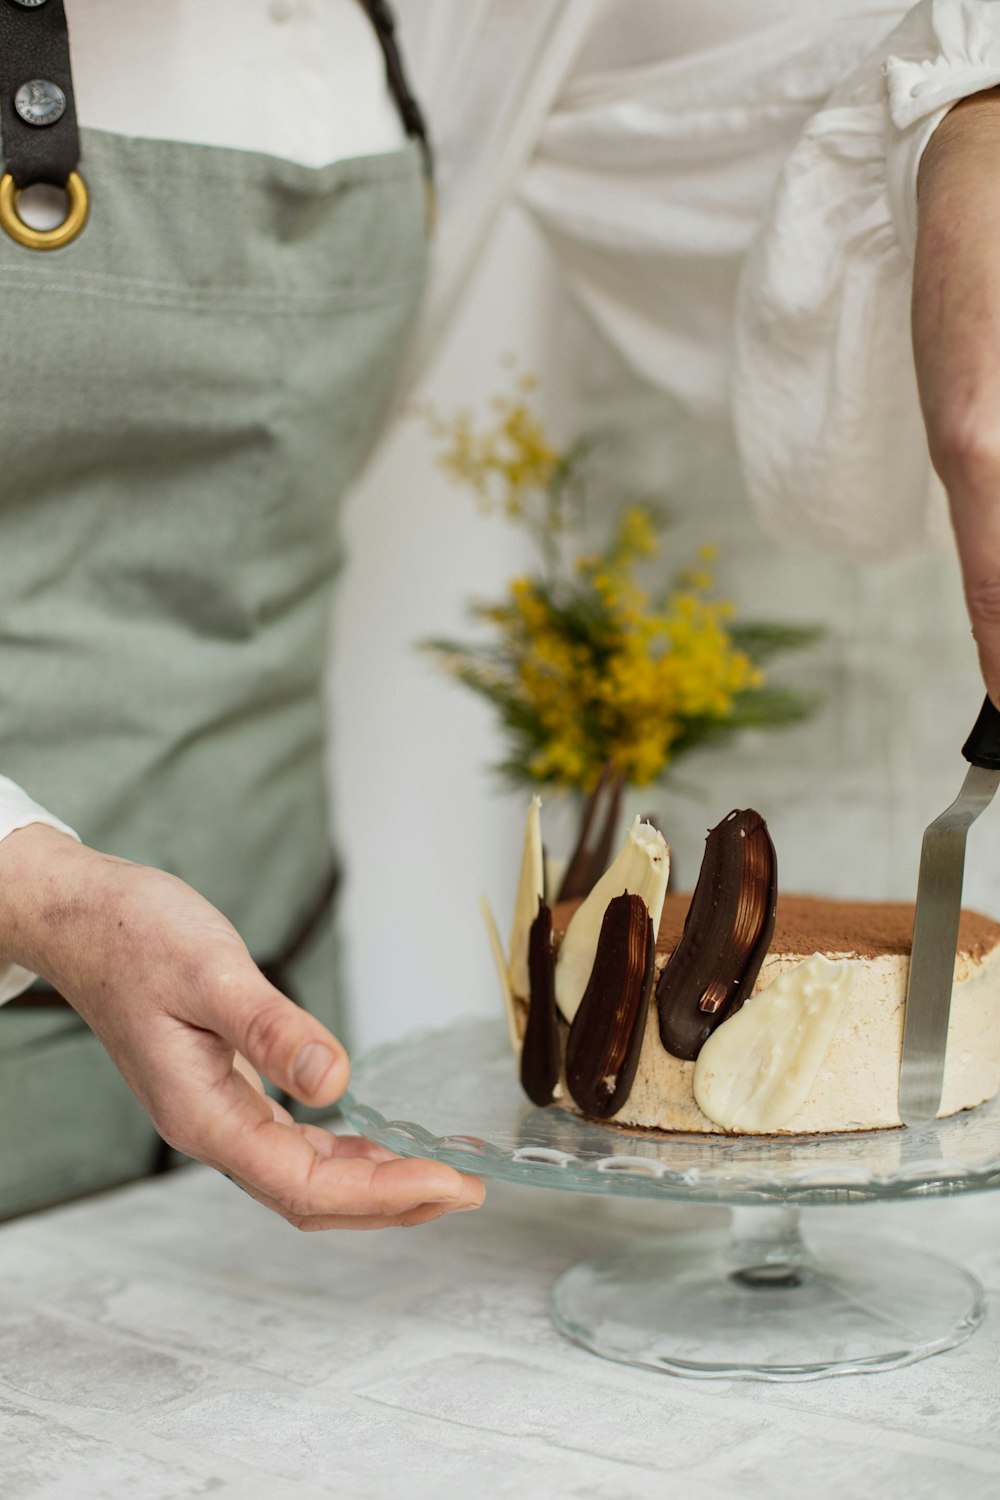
x: 729, y: 186
x: 303, y: 79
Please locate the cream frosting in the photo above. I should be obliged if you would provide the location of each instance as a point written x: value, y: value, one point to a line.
x: 758, y: 1068
x: 856, y: 1086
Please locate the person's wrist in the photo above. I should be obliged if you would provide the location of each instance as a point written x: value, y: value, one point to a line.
x: 44, y: 880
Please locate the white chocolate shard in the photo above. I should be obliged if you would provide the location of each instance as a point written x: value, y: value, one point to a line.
x: 555, y: 868
x: 756, y: 1071
x: 642, y: 869
x: 510, y: 1013
x: 530, y: 890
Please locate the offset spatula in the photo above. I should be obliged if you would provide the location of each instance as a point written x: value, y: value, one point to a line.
x: 935, y: 925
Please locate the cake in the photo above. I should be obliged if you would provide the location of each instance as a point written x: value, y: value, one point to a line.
x: 734, y: 1010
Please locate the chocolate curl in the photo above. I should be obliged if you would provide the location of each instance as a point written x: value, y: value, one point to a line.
x: 540, y: 1051
x: 726, y: 935
x: 605, y: 1039
x: 589, y: 859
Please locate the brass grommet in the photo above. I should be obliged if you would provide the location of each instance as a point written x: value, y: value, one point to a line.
x: 44, y: 239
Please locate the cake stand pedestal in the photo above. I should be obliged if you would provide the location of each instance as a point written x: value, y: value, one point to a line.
x: 766, y: 1304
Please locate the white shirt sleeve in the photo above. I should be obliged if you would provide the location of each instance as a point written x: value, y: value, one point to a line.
x: 824, y: 389
x: 740, y: 223
x: 17, y: 810
x: 944, y: 51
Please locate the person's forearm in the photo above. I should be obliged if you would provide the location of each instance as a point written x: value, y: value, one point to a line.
x: 956, y: 340
x: 42, y: 876
x: 956, y: 286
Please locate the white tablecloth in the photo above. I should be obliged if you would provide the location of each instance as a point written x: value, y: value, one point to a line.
x: 173, y: 1340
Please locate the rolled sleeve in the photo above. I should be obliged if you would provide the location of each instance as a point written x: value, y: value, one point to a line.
x: 824, y: 392
x: 18, y: 810
x: 944, y: 51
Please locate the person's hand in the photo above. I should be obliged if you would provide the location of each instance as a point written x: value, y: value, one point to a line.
x: 171, y: 991
x: 956, y: 341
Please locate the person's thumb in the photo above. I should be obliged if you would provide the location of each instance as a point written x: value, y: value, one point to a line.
x: 282, y: 1041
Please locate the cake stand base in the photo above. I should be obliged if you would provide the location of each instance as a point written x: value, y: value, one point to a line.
x: 765, y: 1306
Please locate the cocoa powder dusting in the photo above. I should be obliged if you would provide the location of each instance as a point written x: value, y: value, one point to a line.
x: 815, y: 924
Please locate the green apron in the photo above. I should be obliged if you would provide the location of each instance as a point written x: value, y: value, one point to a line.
x: 189, y: 387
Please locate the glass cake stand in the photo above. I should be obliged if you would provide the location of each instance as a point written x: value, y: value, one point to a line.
x: 763, y: 1305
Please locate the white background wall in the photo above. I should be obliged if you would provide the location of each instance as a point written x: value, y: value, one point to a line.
x: 421, y: 823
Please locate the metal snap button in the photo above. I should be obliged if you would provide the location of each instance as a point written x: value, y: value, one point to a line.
x: 40, y: 102
x: 29, y: 4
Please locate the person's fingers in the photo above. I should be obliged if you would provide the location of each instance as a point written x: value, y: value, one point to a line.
x: 424, y: 1213
x: 357, y: 1186
x: 309, y: 1173
x: 253, y: 1078
x: 328, y: 1144
x: 356, y: 1145
x: 279, y: 1112
x: 279, y: 1039
x: 325, y: 1142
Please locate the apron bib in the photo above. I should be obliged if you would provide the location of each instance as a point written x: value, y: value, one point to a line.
x: 197, y: 378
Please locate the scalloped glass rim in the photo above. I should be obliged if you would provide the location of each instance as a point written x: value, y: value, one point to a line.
x: 452, y: 1095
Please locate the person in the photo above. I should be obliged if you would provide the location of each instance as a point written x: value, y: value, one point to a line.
x: 733, y: 195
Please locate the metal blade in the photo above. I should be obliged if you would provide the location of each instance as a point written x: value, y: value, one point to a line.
x: 935, y: 940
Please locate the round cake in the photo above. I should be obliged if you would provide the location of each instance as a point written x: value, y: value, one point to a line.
x: 735, y: 1009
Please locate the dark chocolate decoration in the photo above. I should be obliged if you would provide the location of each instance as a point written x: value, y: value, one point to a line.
x: 540, y: 1054
x: 605, y: 1039
x: 726, y: 935
x: 589, y: 859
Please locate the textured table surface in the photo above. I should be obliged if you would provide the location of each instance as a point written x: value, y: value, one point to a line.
x: 174, y: 1340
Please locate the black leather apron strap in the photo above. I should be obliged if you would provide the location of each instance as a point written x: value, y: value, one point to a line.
x: 410, y: 112
x: 41, y: 141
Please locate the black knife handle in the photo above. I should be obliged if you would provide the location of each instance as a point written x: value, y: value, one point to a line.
x: 982, y: 748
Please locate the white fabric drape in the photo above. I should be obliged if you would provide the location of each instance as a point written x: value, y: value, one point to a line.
x: 824, y: 391
x: 652, y: 181
x: 490, y: 71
